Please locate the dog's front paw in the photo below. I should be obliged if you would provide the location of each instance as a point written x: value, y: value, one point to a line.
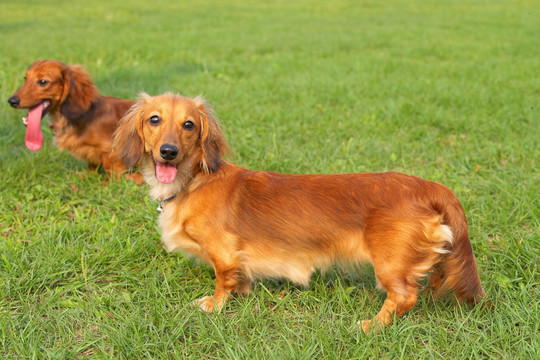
x: 206, y: 303
x: 369, y: 326
x: 365, y: 325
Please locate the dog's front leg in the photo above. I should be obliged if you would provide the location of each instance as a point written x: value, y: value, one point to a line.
x: 226, y: 282
x: 116, y: 169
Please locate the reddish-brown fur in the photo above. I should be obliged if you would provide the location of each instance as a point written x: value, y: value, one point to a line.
x: 252, y: 224
x: 82, y: 120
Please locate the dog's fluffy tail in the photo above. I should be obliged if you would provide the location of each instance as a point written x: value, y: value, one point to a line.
x: 457, y: 270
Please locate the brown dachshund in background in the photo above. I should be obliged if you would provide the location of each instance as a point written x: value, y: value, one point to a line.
x: 82, y: 120
x: 252, y: 224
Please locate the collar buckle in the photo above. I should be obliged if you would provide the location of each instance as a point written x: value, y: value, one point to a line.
x: 163, y: 201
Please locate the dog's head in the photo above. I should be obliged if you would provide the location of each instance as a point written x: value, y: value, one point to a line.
x: 174, y: 136
x: 52, y: 86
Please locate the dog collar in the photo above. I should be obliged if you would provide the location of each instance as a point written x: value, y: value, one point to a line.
x: 163, y: 201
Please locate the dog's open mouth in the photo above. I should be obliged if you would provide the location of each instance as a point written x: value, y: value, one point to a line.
x: 165, y: 172
x: 34, y: 137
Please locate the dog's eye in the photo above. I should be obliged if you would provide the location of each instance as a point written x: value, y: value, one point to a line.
x: 188, y: 125
x: 42, y: 82
x: 154, y: 120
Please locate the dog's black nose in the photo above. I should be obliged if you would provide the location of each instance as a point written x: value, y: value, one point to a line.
x: 14, y: 101
x: 168, y: 151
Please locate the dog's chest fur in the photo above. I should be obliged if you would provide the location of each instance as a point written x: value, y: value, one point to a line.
x: 87, y: 147
x: 173, y: 233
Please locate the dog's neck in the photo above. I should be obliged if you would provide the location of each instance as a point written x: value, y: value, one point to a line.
x: 59, y: 120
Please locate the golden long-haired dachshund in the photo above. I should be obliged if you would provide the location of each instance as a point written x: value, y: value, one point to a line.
x: 82, y: 120
x: 251, y: 224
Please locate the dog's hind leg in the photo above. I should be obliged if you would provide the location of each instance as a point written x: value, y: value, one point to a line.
x: 396, y: 303
x: 403, y: 251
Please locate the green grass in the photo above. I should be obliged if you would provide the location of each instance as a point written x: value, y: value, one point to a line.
x: 447, y: 90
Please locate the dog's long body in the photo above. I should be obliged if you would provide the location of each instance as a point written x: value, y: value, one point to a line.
x: 82, y: 120
x: 253, y: 224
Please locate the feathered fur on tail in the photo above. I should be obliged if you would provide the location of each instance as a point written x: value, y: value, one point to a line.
x: 457, y: 270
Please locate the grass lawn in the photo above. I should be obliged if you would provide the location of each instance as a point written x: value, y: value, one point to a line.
x: 449, y: 91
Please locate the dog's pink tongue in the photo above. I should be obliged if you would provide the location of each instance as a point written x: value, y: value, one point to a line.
x: 34, y: 136
x: 165, y: 173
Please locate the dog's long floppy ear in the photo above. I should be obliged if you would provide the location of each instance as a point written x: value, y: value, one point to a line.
x: 128, y: 137
x: 79, y: 92
x: 213, y: 144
